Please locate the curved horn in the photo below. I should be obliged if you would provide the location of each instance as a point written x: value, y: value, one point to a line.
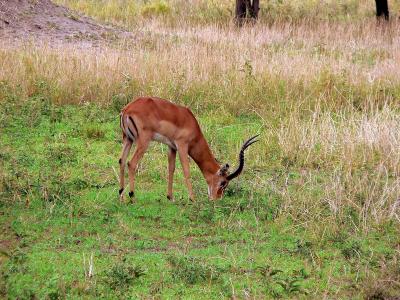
x: 237, y: 172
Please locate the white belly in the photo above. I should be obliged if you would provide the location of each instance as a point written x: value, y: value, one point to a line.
x: 163, y: 139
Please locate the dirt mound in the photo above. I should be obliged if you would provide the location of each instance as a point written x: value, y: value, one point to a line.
x: 44, y: 20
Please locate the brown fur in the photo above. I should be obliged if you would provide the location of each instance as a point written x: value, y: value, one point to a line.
x: 151, y: 118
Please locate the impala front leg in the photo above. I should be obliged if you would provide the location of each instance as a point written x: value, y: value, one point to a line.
x: 171, y: 170
x: 183, y: 156
x: 141, y: 147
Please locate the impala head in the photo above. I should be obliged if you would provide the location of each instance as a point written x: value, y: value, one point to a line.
x: 220, y: 180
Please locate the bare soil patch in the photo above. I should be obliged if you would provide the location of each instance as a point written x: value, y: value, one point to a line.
x: 43, y: 20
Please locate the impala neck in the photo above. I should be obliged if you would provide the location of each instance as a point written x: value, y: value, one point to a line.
x: 202, y: 155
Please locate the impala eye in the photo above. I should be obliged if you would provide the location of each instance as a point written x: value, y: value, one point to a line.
x: 223, y: 184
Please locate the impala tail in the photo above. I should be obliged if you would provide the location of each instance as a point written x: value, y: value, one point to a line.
x: 128, y: 127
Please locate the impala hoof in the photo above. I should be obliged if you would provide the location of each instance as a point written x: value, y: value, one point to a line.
x: 131, y: 197
x: 170, y: 198
x: 121, y: 195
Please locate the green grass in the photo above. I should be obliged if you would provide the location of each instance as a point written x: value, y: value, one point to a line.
x: 59, y: 208
x: 315, y: 213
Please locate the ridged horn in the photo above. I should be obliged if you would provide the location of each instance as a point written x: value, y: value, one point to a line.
x: 237, y: 172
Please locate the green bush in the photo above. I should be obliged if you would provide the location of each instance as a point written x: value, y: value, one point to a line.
x: 155, y: 8
x: 192, y: 270
x: 123, y: 275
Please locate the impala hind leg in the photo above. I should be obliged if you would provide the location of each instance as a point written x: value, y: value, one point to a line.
x: 127, y: 144
x: 183, y: 156
x: 171, y: 170
x: 141, y: 147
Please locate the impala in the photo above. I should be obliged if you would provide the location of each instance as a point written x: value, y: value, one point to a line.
x: 149, y: 119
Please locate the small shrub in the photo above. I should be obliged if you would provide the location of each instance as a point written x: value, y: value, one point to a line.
x: 53, y: 187
x: 277, y: 283
x: 79, y: 184
x: 351, y: 248
x: 192, y: 270
x: 382, y: 284
x: 155, y: 8
x: 15, y: 182
x: 292, y: 286
x: 59, y: 153
x: 207, y: 214
x: 304, y: 247
x: 119, y: 101
x: 123, y: 275
x: 268, y: 272
x: 17, y: 262
x: 94, y: 132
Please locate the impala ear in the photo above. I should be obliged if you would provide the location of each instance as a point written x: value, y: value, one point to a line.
x: 223, y: 170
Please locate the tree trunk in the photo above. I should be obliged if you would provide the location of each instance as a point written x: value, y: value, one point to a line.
x: 253, y: 7
x: 240, y: 14
x: 382, y: 9
x: 246, y: 9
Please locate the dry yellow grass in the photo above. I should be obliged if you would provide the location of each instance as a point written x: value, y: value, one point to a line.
x: 320, y: 57
x: 174, y: 12
x: 357, y: 153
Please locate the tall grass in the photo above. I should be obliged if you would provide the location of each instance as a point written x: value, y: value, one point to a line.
x: 173, y: 12
x: 360, y: 152
x: 352, y: 64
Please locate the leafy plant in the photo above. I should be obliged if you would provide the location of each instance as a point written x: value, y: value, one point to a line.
x: 351, y: 248
x: 159, y: 7
x: 274, y: 278
x: 291, y: 286
x: 267, y: 271
x: 123, y: 275
x: 94, y: 132
x: 192, y: 270
x: 304, y: 247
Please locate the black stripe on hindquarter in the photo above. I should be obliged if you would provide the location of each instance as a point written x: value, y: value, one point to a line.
x: 121, y: 121
x: 130, y: 131
x: 134, y: 125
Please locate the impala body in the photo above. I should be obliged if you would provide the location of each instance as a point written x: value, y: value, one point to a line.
x: 149, y: 119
